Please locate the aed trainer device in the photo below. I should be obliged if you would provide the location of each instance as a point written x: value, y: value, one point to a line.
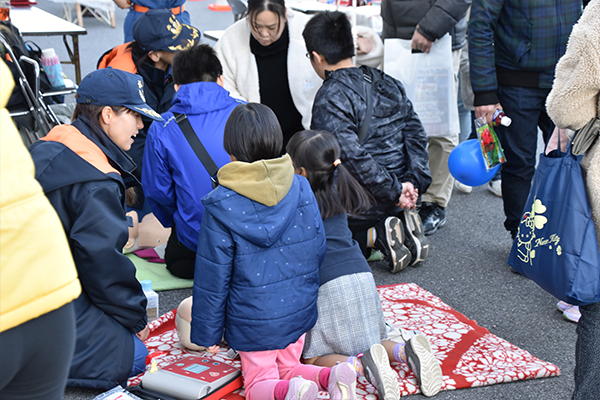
x: 193, y: 378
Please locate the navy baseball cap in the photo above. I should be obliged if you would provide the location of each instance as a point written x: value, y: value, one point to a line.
x: 113, y: 87
x: 159, y: 29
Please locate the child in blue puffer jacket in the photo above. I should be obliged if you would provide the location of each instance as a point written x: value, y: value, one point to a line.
x: 260, y: 246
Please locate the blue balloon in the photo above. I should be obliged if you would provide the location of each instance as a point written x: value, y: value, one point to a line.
x: 466, y: 164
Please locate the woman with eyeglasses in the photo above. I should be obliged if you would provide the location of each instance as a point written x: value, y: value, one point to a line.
x: 264, y: 61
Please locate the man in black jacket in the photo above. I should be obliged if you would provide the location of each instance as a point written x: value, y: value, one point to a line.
x: 390, y: 161
x: 423, y: 22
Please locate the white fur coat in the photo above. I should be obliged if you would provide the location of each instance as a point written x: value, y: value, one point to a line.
x: 575, y: 96
x: 240, y: 72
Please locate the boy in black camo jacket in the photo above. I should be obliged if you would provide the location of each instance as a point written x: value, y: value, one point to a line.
x: 391, y: 161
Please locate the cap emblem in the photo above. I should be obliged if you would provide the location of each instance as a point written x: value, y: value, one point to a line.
x: 141, y: 90
x: 148, y: 111
x: 188, y: 43
x: 174, y: 26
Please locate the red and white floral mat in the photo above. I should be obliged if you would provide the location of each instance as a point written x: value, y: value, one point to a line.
x: 470, y: 355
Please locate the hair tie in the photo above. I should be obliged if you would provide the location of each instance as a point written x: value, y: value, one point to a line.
x: 337, y: 162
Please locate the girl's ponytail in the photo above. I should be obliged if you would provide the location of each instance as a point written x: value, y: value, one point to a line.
x: 318, y: 153
x: 355, y: 198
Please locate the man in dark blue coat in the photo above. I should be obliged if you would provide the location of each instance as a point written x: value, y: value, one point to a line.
x: 513, y: 50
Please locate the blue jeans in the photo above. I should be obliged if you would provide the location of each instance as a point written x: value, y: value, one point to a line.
x: 139, y: 356
x: 587, y: 353
x: 464, y: 117
x: 527, y: 108
x: 133, y: 16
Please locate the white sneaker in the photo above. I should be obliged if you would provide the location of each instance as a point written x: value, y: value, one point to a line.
x: 399, y: 335
x: 462, y: 187
x: 424, y: 365
x: 495, y: 187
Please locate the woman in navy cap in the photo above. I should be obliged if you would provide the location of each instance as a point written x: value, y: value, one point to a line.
x: 81, y: 169
x: 158, y: 36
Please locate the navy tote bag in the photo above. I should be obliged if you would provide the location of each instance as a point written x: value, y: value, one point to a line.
x: 556, y: 244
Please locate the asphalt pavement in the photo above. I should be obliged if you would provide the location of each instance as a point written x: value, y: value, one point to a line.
x: 466, y: 267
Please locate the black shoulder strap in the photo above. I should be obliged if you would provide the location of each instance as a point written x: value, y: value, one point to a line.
x: 369, y: 80
x: 197, y: 146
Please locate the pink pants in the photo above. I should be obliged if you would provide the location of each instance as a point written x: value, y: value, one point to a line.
x: 263, y: 369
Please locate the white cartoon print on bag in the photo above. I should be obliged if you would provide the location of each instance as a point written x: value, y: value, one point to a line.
x: 526, y: 237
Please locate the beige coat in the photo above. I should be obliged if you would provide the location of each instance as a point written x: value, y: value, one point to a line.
x: 575, y: 96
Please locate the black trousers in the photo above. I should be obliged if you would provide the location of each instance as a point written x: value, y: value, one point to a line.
x: 360, y: 229
x: 180, y: 260
x: 360, y: 226
x: 35, y: 357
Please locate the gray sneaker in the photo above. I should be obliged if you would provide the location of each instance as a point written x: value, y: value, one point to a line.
x: 424, y: 365
x: 433, y: 217
x: 390, y: 242
x: 379, y: 372
x: 415, y: 239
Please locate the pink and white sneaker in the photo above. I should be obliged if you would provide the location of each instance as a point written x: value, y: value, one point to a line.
x: 302, y: 389
x: 572, y: 314
x: 342, y: 382
x: 562, y: 306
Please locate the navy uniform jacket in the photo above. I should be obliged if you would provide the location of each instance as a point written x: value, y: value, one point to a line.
x: 80, y: 173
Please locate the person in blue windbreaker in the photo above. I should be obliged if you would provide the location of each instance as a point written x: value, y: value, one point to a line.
x: 257, y: 266
x: 174, y: 179
x: 138, y: 7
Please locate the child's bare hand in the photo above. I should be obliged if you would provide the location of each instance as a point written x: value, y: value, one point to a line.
x: 143, y: 334
x: 409, y: 196
x: 214, y: 349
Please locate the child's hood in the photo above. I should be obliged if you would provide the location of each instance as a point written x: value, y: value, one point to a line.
x: 264, y: 181
x: 266, y: 201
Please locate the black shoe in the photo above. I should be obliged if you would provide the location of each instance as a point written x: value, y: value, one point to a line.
x: 414, y: 238
x: 390, y: 242
x: 424, y: 365
x: 433, y: 217
x: 379, y: 373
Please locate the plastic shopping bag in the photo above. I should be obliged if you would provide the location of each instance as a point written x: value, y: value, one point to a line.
x: 429, y: 82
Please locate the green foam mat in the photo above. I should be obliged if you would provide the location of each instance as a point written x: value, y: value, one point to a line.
x: 161, y: 278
